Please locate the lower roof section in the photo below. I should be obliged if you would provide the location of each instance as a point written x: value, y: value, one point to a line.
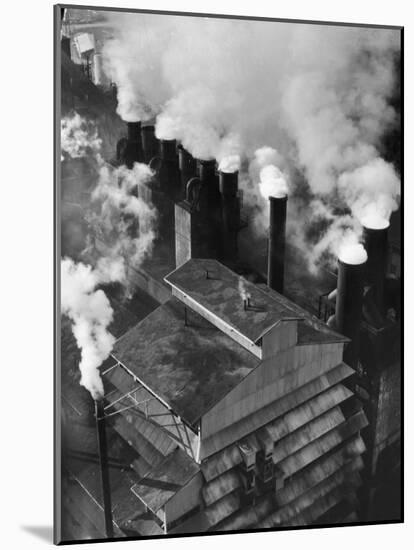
x: 165, y: 480
x: 186, y: 361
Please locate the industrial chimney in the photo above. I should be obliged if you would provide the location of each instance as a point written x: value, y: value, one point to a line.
x: 188, y: 167
x: 165, y: 166
x: 150, y: 144
x: 376, y: 245
x: 228, y: 182
x: 276, y: 245
x: 103, y: 459
x: 348, y: 311
x: 133, y: 149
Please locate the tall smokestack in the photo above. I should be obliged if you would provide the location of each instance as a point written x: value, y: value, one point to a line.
x: 348, y: 311
x: 133, y: 151
x: 376, y: 245
x: 166, y: 168
x: 150, y: 144
x: 276, y: 246
x: 187, y: 165
x: 103, y: 458
x: 228, y: 182
x: 168, y: 150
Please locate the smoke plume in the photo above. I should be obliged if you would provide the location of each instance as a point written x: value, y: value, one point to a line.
x: 90, y: 311
x: 123, y: 220
x: 318, y: 95
x: 79, y: 137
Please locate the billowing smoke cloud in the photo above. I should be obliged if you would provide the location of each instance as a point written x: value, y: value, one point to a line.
x: 91, y: 313
x: 319, y: 95
x: 79, y: 137
x: 230, y: 164
x: 125, y: 222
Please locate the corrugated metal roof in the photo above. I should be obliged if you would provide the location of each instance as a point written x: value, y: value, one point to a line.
x: 133, y: 437
x: 251, y: 423
x: 166, y: 479
x: 221, y: 462
x: 219, y: 294
x: 307, y: 434
x: 341, y: 478
x: 220, y: 487
x: 313, y: 408
x: 322, y: 445
x: 189, y: 367
x: 222, y: 509
x: 248, y: 517
x: 315, y: 473
x: 149, y: 405
x: 158, y: 437
x: 153, y: 433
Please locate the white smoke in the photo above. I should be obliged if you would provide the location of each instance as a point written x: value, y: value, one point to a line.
x: 91, y: 313
x: 126, y: 224
x: 317, y: 94
x: 79, y: 137
x: 125, y: 221
x: 243, y: 292
x: 352, y: 253
x: 230, y: 164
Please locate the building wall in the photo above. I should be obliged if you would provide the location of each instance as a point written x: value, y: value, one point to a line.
x: 182, y: 235
x: 275, y: 377
x: 388, y: 418
x: 281, y: 337
x: 187, y: 499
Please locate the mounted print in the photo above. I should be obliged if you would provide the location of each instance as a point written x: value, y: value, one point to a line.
x: 228, y: 274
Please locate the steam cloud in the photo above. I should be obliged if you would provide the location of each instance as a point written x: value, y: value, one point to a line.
x: 244, y: 293
x: 318, y: 95
x: 79, y: 137
x: 125, y: 223
x: 91, y: 313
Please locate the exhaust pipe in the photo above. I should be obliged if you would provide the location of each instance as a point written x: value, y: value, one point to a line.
x: 149, y: 142
x: 276, y: 245
x: 348, y: 311
x: 228, y: 182
x: 133, y: 149
x: 376, y: 245
x: 103, y: 459
x: 187, y: 165
x: 168, y: 150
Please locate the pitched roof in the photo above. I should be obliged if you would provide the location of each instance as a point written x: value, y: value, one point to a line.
x: 216, y: 288
x: 165, y: 479
x: 189, y: 367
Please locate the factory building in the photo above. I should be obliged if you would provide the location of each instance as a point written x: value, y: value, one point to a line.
x: 236, y: 407
x: 259, y: 429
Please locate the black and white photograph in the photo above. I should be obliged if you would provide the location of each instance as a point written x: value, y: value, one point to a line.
x: 229, y: 274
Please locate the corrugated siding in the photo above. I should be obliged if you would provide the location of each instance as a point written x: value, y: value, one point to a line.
x: 222, y: 508
x: 248, y: 517
x: 249, y: 424
x: 272, y: 379
x: 158, y: 414
x: 322, y: 469
x: 307, y: 433
x: 320, y: 446
x: 221, y: 462
x: 313, y: 408
x: 220, y: 487
x: 284, y: 515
